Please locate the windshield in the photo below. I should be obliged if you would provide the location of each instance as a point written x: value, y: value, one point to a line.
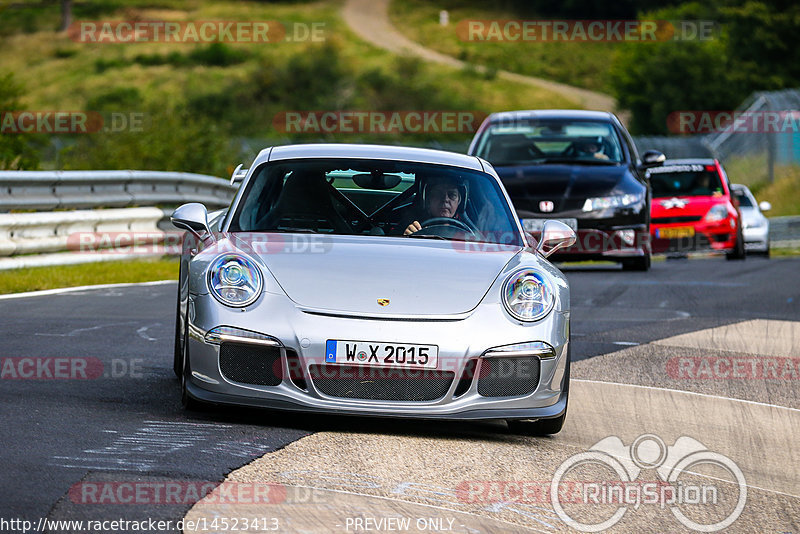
x: 376, y: 197
x: 550, y: 141
x: 685, y: 180
x: 743, y: 198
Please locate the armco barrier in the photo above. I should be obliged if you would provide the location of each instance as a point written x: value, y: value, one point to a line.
x: 52, y: 190
x: 784, y: 231
x: 36, y: 233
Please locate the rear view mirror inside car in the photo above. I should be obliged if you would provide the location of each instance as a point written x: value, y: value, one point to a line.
x: 377, y: 180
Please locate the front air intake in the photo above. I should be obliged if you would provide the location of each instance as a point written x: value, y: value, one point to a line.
x: 251, y: 364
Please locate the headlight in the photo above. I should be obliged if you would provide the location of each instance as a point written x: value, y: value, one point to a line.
x: 616, y: 201
x: 235, y: 280
x: 717, y: 213
x: 528, y: 295
x: 758, y: 223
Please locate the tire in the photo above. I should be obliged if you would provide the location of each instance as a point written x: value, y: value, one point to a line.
x: 187, y: 401
x: 544, y: 427
x: 177, y: 357
x: 738, y: 251
x: 641, y: 263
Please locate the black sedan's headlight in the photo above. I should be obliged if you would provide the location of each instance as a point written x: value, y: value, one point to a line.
x: 610, y: 202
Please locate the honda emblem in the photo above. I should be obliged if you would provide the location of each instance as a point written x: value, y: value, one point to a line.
x: 546, y: 206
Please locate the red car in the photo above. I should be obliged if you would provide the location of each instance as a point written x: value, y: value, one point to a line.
x: 693, y: 209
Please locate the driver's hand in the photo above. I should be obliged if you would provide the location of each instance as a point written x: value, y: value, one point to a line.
x: 413, y: 227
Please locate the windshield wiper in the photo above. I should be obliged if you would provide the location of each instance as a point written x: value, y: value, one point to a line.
x: 573, y: 161
x: 293, y: 231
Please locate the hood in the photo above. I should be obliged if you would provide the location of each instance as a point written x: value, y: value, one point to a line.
x: 348, y: 274
x: 527, y: 185
x: 751, y: 214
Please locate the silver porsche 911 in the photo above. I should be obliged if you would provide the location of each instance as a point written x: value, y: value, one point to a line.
x: 373, y: 280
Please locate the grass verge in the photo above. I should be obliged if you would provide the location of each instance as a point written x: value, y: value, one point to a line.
x: 111, y: 272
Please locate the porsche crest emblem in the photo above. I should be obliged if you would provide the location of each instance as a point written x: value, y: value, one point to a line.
x: 383, y: 302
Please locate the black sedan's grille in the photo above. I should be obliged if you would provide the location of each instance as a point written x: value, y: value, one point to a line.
x: 380, y: 383
x: 250, y: 364
x: 508, y: 377
x: 673, y: 220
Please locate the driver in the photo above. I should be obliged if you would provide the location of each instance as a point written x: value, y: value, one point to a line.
x: 442, y: 196
x: 592, y: 148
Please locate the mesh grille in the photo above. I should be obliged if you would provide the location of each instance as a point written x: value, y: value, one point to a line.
x: 508, y: 377
x: 677, y: 219
x: 380, y: 383
x: 250, y: 364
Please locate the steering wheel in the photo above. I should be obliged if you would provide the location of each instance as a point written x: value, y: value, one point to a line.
x: 447, y: 222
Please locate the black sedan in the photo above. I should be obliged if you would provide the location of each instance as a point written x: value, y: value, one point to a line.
x: 581, y: 168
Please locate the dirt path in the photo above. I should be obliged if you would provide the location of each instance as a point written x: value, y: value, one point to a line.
x: 369, y: 19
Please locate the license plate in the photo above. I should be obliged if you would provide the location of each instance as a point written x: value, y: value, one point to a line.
x: 675, y: 233
x: 373, y: 353
x: 536, y: 225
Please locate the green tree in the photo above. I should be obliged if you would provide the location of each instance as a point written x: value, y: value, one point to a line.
x: 17, y: 150
x: 168, y: 140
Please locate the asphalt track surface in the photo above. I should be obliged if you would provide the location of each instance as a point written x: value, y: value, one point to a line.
x: 124, y: 423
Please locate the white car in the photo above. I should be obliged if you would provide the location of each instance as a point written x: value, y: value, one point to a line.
x: 755, y: 225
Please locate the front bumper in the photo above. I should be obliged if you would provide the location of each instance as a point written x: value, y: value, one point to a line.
x: 756, y: 239
x: 718, y: 236
x: 302, y: 337
x: 615, y: 243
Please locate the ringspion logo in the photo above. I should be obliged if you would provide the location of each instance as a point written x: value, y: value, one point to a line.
x: 621, y: 489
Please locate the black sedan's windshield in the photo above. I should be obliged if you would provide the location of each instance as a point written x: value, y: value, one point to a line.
x: 540, y: 141
x: 376, y: 197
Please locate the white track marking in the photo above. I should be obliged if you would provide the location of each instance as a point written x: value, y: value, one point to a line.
x: 62, y: 290
x: 142, y: 332
x: 719, y: 397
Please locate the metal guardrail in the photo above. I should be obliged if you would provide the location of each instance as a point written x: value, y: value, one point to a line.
x: 53, y: 190
x: 35, y: 233
x: 784, y: 230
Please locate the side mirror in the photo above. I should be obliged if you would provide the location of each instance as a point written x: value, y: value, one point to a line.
x: 652, y: 158
x: 555, y: 236
x: 530, y: 239
x: 194, y: 218
x: 765, y: 206
x: 238, y: 174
